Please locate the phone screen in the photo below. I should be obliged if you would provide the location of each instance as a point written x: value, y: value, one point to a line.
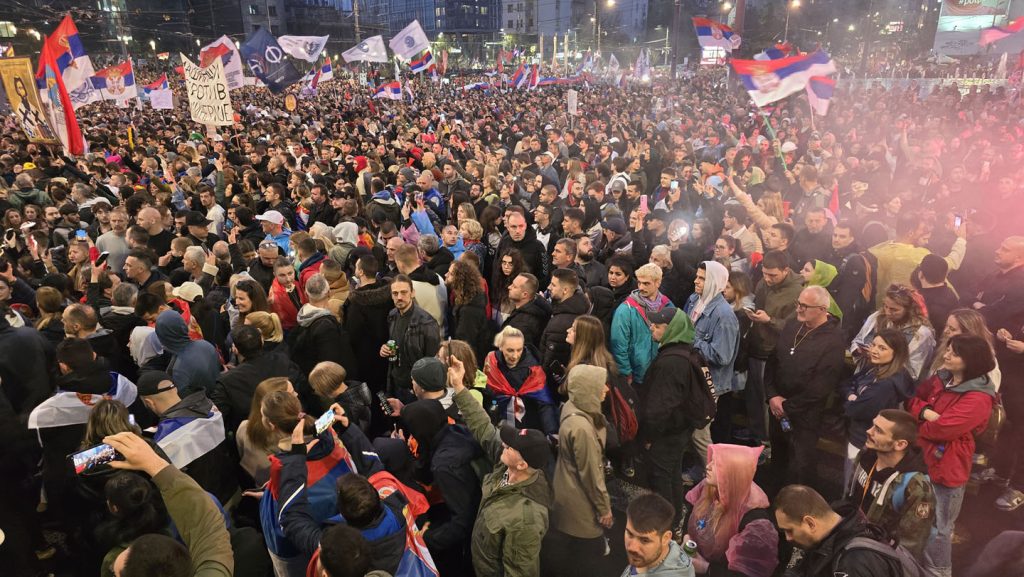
x: 957, y: 221
x: 101, y: 259
x: 93, y: 456
x: 674, y: 185
x: 324, y: 422
x: 643, y: 203
x: 81, y: 233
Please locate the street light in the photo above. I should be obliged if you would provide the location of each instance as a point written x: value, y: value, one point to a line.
x: 851, y: 28
x: 726, y: 7
x: 152, y: 45
x: 794, y: 4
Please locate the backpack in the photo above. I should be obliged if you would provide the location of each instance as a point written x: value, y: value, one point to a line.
x: 623, y: 415
x: 703, y: 406
x: 909, y: 567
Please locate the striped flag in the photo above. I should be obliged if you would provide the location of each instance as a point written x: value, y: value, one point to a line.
x: 392, y: 91
x: 819, y: 93
x: 424, y: 62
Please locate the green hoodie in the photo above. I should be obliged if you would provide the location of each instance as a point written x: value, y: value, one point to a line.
x: 823, y: 276
x: 680, y: 330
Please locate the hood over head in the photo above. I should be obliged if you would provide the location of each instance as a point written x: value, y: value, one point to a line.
x: 586, y: 385
x: 823, y: 275
x: 423, y: 420
x: 347, y: 232
x: 172, y: 331
x: 680, y: 330
x: 716, y: 276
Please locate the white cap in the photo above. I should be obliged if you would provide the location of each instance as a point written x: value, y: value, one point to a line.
x: 272, y: 216
x: 788, y: 147
x: 188, y: 291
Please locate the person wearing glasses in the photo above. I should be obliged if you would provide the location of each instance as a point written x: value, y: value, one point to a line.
x: 806, y: 368
x: 902, y: 309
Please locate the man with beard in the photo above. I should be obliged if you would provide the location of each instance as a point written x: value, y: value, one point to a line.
x: 594, y: 272
x: 648, y: 540
x: 848, y: 287
x: 813, y: 242
x: 890, y: 482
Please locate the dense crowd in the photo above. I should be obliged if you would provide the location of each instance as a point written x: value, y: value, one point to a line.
x: 468, y: 331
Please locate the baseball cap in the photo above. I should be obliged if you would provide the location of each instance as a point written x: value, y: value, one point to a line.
x: 430, y: 374
x: 188, y: 291
x: 615, y: 224
x: 788, y: 147
x: 658, y: 214
x: 272, y: 216
x: 531, y: 444
x: 196, y: 218
x: 662, y: 316
x: 153, y: 382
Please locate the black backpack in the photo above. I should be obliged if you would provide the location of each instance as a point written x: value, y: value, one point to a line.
x: 909, y: 566
x: 703, y: 407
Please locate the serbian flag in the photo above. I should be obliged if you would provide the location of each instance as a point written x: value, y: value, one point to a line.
x: 819, y: 93
x: 521, y: 76
x: 52, y: 90
x: 72, y: 62
x: 326, y: 71
x: 423, y: 62
x: 534, y: 74
x: 768, y: 81
x: 392, y: 91
x: 158, y: 84
x: 500, y: 67
x: 117, y: 82
x: 997, y: 33
x: 444, y: 62
x: 711, y: 34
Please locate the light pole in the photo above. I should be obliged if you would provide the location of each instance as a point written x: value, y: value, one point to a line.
x: 793, y: 4
x: 597, y: 21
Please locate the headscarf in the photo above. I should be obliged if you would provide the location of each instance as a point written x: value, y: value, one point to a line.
x: 716, y: 276
x: 824, y: 274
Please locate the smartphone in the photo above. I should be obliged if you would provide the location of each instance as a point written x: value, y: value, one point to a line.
x: 643, y: 204
x: 674, y: 185
x: 101, y: 259
x: 10, y: 234
x: 958, y: 219
x: 81, y: 234
x: 384, y: 404
x: 324, y: 422
x: 92, y: 457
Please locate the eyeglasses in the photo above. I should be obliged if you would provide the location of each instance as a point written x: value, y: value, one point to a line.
x: 803, y: 306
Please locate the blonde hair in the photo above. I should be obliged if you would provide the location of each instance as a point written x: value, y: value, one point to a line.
x: 507, y: 332
x: 269, y: 325
x: 649, y: 271
x: 48, y: 300
x: 326, y: 377
x: 473, y: 229
x: 108, y: 417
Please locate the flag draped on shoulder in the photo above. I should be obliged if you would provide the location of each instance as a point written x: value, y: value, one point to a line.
x: 770, y: 80
x: 391, y: 90
x: 267, y: 61
x: 410, y: 41
x: 306, y: 48
x: 819, y: 93
x: 370, y: 50
x: 712, y: 34
x: 53, y: 92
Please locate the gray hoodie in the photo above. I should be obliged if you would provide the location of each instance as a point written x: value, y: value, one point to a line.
x: 194, y: 365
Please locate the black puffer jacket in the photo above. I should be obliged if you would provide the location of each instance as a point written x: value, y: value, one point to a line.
x: 320, y: 337
x: 421, y: 338
x: 365, y: 314
x: 806, y: 377
x: 535, y: 256
x: 470, y: 324
x: 822, y: 559
x: 553, y: 348
x: 234, y: 389
x: 531, y: 319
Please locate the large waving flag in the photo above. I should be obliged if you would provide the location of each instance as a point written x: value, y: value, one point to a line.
x: 424, y: 62
x: 116, y: 83
x: 370, y: 50
x: 997, y: 33
x: 53, y: 91
x: 642, y: 69
x: 159, y: 93
x: 712, y: 34
x: 521, y: 76
x: 770, y: 80
x: 819, y: 93
x: 410, y: 41
x: 267, y: 61
x: 72, y: 62
x: 306, y: 48
x: 224, y: 48
x: 391, y: 90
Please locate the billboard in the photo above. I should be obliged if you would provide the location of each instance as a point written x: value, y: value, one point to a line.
x: 974, y: 8
x: 961, y: 22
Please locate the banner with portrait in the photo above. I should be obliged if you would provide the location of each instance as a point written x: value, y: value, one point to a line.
x: 20, y: 85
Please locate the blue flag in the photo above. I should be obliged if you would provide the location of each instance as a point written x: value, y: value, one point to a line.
x: 268, y: 61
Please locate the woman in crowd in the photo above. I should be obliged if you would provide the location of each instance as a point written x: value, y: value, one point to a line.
x: 472, y: 235
x: 729, y: 252
x: 256, y: 441
x: 468, y: 307
x: 730, y: 522
x: 270, y: 327
x: 250, y: 297
x: 883, y: 383
x: 50, y: 303
x: 965, y: 322
x: 517, y: 384
x: 952, y: 406
x: 135, y: 509
x: 507, y: 267
x: 820, y: 273
x: 902, y: 309
x: 329, y: 381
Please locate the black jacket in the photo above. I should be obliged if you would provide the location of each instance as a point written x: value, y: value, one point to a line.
x: 453, y: 451
x: 668, y: 385
x: 941, y: 301
x: 422, y: 338
x: 234, y: 389
x: 441, y: 262
x: 470, y: 324
x: 854, y: 563
x: 320, y: 337
x: 811, y: 373
x: 213, y: 470
x: 121, y: 322
x: 553, y: 347
x: 24, y: 376
x: 535, y: 256
x: 531, y: 319
x: 365, y: 314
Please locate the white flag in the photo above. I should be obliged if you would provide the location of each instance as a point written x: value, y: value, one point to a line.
x: 306, y: 48
x: 370, y: 50
x: 613, y: 65
x: 410, y: 41
x: 161, y: 99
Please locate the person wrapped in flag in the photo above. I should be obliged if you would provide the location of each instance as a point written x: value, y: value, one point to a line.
x: 519, y: 385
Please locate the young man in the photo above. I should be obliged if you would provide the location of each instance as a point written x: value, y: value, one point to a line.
x: 532, y: 312
x: 890, y: 482
x: 648, y: 539
x: 823, y: 534
x: 630, y: 336
x: 416, y: 335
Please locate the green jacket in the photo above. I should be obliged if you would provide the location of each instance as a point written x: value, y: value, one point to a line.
x: 513, y: 519
x: 199, y: 522
x: 779, y: 302
x: 900, y: 499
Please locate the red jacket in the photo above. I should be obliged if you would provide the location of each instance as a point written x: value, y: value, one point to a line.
x: 281, y: 304
x: 964, y: 412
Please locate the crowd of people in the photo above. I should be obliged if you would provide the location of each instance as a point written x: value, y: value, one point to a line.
x: 468, y: 332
